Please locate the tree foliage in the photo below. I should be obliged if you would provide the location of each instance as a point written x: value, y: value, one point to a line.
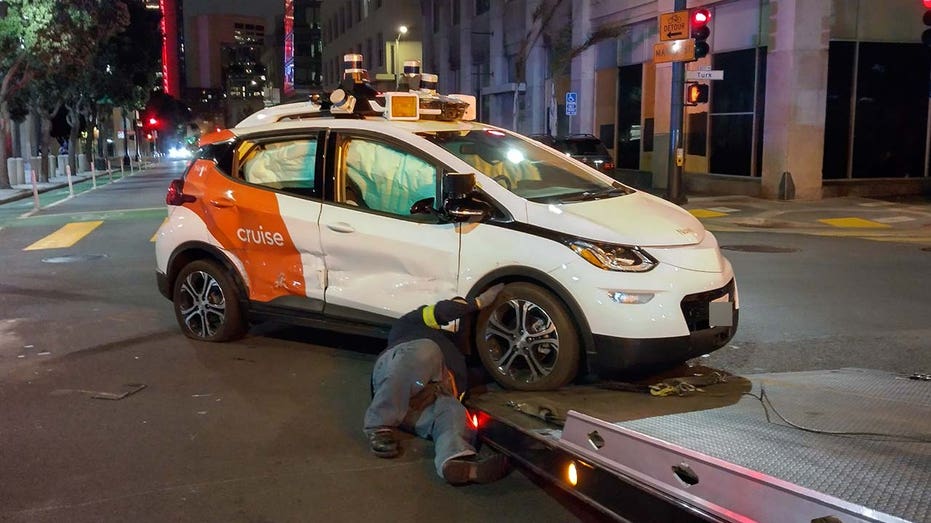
x: 76, y: 53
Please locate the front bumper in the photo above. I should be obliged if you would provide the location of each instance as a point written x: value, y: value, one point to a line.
x: 614, y: 354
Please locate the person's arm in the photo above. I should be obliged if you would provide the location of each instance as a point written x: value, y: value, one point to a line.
x: 445, y: 311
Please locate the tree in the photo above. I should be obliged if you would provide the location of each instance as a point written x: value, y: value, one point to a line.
x: 41, y: 38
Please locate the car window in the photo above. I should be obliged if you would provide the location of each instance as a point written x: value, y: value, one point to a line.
x: 383, y: 177
x: 526, y: 168
x: 287, y: 165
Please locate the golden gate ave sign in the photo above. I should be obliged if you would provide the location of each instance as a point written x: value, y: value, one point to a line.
x: 673, y: 26
x: 674, y: 51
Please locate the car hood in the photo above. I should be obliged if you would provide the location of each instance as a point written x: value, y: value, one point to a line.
x: 637, y: 219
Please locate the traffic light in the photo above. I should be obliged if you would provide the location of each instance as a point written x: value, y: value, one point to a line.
x: 926, y: 18
x: 698, y: 21
x: 696, y: 93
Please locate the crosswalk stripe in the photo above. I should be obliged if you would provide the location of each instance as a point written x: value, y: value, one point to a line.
x: 66, y: 236
x: 858, y: 223
x: 706, y: 213
x: 155, y: 236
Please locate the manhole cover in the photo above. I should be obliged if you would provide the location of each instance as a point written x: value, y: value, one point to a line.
x: 758, y: 248
x: 74, y: 258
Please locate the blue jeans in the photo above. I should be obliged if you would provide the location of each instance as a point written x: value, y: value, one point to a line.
x: 400, y: 373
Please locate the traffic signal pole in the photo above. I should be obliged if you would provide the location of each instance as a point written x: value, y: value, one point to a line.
x: 674, y: 192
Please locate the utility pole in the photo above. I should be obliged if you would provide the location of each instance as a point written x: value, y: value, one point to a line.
x: 674, y: 192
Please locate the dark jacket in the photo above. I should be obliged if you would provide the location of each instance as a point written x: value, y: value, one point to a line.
x: 424, y: 323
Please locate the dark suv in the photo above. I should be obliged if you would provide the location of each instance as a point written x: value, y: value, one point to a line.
x: 586, y: 148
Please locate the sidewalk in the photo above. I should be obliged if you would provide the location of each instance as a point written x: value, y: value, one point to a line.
x: 24, y: 191
x: 905, y: 220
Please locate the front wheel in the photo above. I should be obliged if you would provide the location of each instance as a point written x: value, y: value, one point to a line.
x: 527, y: 339
x: 206, y: 302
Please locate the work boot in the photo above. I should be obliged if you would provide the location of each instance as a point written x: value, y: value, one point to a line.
x: 475, y: 469
x: 383, y: 443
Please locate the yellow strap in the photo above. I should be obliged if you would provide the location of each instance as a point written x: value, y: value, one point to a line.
x: 429, y: 318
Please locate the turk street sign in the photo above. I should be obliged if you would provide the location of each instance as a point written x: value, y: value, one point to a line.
x: 673, y: 26
x: 705, y: 75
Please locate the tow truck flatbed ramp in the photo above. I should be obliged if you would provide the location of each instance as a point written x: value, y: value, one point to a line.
x: 719, y: 455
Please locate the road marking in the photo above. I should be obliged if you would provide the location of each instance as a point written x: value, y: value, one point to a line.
x: 706, y: 213
x: 858, y: 223
x: 895, y: 219
x: 155, y: 236
x: 723, y: 209
x: 66, y: 236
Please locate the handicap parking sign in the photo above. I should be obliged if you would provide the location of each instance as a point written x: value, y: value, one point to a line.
x: 571, y: 98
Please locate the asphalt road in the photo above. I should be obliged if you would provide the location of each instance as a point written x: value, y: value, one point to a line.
x: 268, y: 428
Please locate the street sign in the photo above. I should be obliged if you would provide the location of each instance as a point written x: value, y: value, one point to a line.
x: 673, y: 26
x: 572, y: 107
x: 674, y: 51
x: 705, y: 75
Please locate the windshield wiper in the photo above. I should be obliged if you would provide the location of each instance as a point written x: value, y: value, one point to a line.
x: 601, y: 193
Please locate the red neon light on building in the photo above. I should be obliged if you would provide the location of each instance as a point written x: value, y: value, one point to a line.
x: 170, y: 59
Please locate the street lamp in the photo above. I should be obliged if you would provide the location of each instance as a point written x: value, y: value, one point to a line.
x: 397, y: 58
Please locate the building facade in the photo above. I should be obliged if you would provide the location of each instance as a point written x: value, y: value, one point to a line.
x: 370, y: 28
x: 226, y: 72
x: 818, y: 97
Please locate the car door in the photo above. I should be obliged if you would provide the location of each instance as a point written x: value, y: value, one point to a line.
x: 271, y: 219
x: 382, y: 261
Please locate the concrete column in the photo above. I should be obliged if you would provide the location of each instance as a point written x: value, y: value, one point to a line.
x: 796, y: 93
x: 583, y: 68
x: 52, y: 165
x: 466, y: 13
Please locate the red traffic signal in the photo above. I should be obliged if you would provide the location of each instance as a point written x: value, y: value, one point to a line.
x: 696, y: 93
x: 698, y: 20
x: 926, y: 18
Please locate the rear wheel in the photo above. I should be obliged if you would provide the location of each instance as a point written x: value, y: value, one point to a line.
x: 206, y: 302
x: 527, y: 340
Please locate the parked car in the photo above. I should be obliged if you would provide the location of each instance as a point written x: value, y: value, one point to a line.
x: 589, y: 149
x: 348, y: 221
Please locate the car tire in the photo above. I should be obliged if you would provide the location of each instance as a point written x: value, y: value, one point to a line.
x: 207, y: 303
x: 527, y: 340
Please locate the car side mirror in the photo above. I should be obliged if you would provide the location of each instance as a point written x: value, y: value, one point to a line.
x: 467, y: 210
x: 457, y: 186
x: 424, y: 206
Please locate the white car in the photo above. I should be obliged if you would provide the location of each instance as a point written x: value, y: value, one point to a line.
x: 348, y: 221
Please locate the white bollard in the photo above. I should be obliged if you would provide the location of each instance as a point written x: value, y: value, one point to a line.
x: 11, y: 170
x: 35, y: 164
x: 20, y: 171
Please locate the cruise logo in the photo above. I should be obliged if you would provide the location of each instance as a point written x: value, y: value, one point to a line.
x: 260, y: 237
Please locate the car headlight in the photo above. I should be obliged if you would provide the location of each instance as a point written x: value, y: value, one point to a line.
x: 611, y: 257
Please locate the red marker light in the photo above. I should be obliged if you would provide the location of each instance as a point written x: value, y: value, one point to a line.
x: 927, y: 3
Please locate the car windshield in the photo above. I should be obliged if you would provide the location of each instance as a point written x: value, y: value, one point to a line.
x: 526, y: 168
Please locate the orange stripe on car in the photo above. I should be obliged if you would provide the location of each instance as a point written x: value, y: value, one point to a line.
x: 247, y: 221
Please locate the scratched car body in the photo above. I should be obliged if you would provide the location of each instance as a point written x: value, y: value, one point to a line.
x: 347, y: 223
